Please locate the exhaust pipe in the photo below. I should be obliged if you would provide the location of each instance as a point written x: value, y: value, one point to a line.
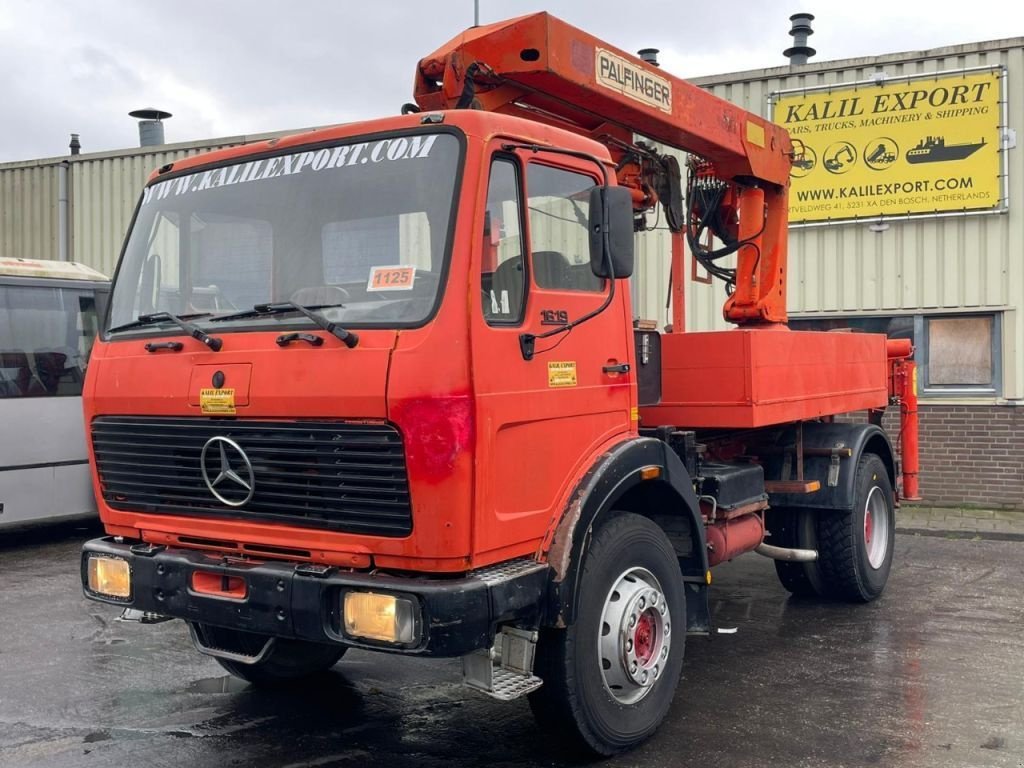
x: 787, y: 555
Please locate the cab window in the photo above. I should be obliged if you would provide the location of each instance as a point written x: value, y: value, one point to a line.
x: 559, y: 205
x: 503, y: 274
x: 46, y: 334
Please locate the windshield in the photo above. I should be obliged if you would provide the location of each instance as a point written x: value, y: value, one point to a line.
x: 363, y: 225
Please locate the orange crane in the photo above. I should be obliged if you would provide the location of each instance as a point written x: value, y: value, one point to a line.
x: 543, y: 69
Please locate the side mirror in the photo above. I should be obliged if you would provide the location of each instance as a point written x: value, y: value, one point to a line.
x: 611, y: 213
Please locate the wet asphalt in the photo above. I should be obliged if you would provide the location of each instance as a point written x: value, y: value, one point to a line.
x: 930, y: 676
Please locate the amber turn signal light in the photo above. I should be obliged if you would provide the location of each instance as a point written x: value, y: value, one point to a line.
x: 110, y: 576
x: 379, y: 617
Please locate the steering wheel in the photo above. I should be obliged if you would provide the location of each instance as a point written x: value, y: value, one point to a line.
x: 316, y: 295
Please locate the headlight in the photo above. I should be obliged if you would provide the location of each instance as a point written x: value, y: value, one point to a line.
x: 110, y: 576
x: 379, y: 617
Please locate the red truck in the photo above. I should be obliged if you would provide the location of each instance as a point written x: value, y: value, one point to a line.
x: 380, y: 386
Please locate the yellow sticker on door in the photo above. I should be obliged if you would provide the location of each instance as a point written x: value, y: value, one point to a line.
x: 562, y: 374
x: 220, y: 402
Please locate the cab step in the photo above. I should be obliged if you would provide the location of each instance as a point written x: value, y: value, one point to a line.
x: 504, y: 672
x: 205, y: 646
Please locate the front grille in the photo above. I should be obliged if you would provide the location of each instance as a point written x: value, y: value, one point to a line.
x: 344, y: 477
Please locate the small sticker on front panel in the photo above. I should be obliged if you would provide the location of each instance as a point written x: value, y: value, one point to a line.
x: 562, y: 374
x: 219, y: 402
x: 397, y: 278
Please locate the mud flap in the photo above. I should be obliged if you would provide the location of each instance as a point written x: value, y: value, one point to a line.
x: 698, y: 613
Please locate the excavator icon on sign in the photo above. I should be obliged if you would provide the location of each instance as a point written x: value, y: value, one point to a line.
x: 840, y: 157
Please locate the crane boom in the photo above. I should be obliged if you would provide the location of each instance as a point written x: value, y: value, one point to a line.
x: 544, y: 69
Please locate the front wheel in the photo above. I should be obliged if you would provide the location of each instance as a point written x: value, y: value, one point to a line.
x: 856, y: 548
x: 288, y: 660
x: 609, y: 679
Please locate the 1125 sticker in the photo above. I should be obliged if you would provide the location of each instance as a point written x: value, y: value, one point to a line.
x: 392, y: 278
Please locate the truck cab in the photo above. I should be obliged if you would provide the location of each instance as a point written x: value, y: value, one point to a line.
x: 431, y: 444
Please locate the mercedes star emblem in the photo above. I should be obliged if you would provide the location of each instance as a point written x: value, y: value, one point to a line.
x: 232, y: 480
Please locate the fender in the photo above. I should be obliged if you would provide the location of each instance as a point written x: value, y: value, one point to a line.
x: 859, y: 439
x: 614, y: 479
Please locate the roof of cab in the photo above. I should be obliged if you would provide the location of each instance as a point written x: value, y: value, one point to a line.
x: 469, y: 121
x: 60, y: 270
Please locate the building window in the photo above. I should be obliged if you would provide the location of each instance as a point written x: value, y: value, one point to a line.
x: 960, y: 354
x: 957, y: 355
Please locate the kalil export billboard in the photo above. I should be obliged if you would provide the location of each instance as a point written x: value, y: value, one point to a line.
x: 914, y: 146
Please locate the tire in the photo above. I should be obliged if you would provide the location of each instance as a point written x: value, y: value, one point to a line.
x: 589, y: 691
x: 855, y: 548
x: 288, y: 661
x: 795, y: 529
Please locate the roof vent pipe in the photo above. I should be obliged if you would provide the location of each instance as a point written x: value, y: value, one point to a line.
x: 800, y: 52
x: 75, y: 146
x: 649, y: 55
x: 151, y: 127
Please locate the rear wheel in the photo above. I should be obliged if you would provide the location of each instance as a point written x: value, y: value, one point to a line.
x: 609, y: 678
x: 856, y: 548
x: 795, y: 529
x: 287, y: 661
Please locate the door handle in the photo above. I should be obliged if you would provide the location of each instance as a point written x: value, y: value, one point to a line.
x: 619, y: 368
x: 287, y: 338
x: 174, y: 346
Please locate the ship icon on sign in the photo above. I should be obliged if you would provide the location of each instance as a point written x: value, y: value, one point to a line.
x: 934, y: 149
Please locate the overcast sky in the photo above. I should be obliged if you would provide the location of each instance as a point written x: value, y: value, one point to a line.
x: 226, y: 67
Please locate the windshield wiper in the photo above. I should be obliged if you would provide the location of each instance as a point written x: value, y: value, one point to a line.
x: 347, y: 337
x: 195, y: 332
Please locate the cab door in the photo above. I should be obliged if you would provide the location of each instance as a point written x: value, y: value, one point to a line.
x: 540, y: 421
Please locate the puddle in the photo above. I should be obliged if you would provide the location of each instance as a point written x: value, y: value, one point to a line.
x: 225, y: 684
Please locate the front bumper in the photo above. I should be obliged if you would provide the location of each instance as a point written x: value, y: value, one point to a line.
x: 303, y: 600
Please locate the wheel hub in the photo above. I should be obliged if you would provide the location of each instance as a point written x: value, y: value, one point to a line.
x: 635, y: 635
x: 645, y: 638
x: 876, y: 527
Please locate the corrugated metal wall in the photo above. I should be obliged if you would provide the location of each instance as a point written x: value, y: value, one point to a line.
x: 103, y: 189
x: 953, y: 264
x: 28, y: 210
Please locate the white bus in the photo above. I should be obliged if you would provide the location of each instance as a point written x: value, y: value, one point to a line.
x: 49, y: 317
